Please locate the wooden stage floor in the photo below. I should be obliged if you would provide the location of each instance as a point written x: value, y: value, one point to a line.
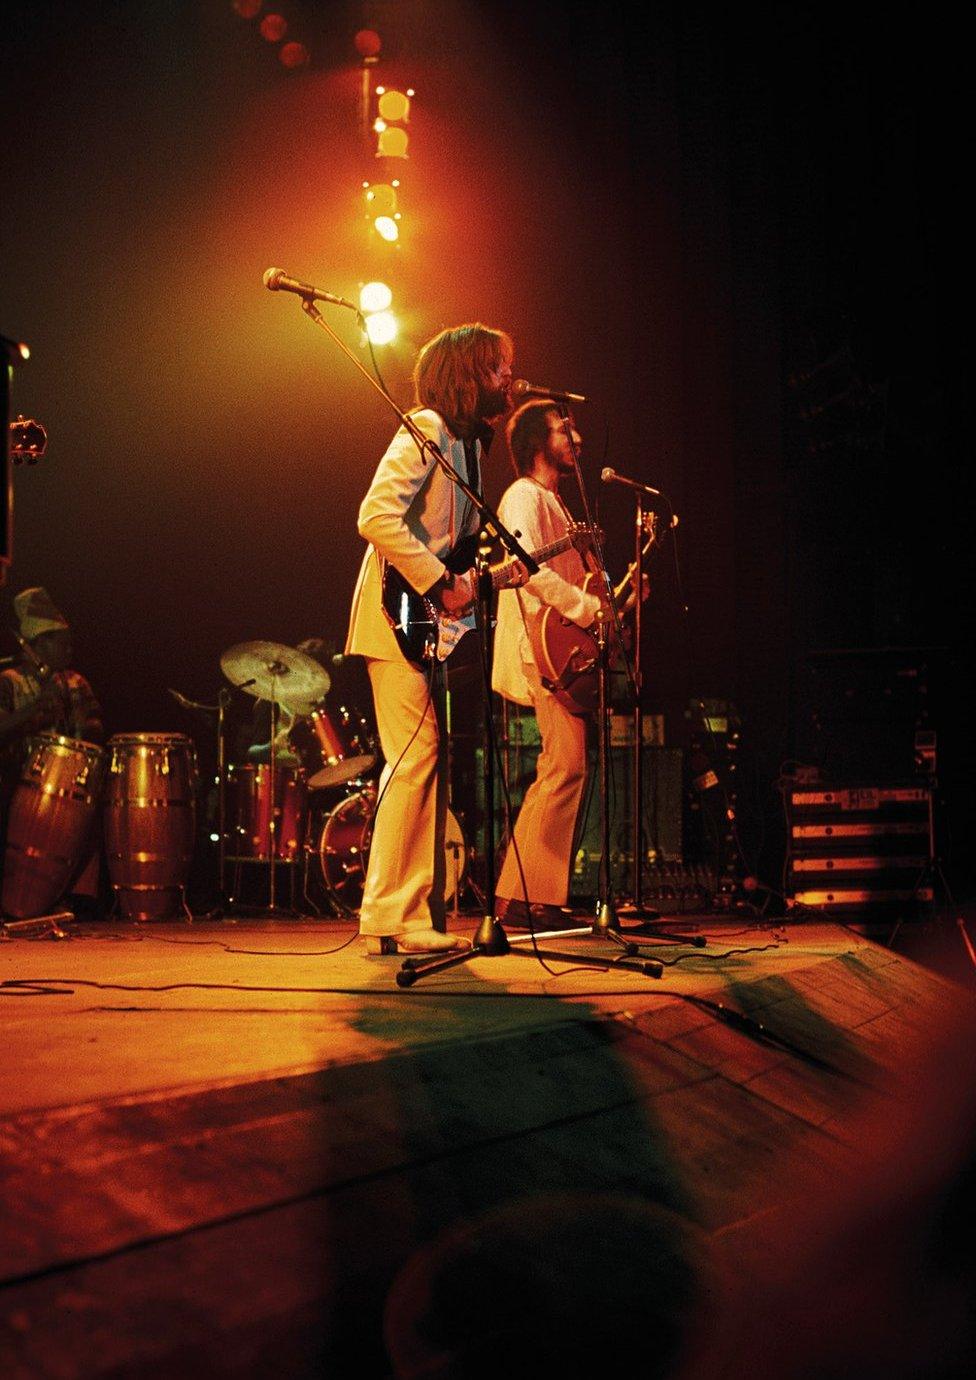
x: 239, y: 1148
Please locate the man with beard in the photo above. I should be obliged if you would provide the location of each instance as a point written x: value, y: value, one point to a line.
x: 538, y: 858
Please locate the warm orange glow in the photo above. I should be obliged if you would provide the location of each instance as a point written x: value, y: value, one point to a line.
x: 247, y: 9
x: 375, y: 297
x: 394, y: 106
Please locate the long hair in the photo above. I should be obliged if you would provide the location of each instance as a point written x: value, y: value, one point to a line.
x: 452, y: 368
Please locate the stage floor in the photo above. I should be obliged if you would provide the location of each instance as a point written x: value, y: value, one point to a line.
x: 225, y: 1141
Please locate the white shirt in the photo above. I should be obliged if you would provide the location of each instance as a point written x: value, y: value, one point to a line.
x: 540, y: 517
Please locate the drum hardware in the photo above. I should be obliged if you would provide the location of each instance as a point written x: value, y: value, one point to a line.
x: 280, y: 675
x: 28, y: 440
x: 219, y: 709
x: 335, y: 747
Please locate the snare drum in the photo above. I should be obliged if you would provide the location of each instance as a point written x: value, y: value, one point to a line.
x: 51, y: 816
x: 343, y: 851
x: 249, y: 811
x: 333, y: 745
x: 150, y: 822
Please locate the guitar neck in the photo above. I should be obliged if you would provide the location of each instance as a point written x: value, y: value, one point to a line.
x: 544, y: 553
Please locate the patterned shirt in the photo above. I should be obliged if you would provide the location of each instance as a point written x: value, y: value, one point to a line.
x: 77, y: 712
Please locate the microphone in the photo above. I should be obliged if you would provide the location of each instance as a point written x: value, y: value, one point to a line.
x: 610, y: 476
x: 522, y: 389
x: 277, y: 280
x: 40, y: 669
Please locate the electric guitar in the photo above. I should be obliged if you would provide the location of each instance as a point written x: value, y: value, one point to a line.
x: 568, y: 656
x: 422, y: 629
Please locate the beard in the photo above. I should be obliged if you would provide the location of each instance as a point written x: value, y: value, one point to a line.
x: 492, y: 402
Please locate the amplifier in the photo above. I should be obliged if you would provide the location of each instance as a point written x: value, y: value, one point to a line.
x: 856, y: 848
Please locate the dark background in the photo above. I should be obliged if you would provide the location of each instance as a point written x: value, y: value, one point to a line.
x: 730, y: 229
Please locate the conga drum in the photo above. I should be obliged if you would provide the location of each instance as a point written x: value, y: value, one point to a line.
x: 51, y: 815
x: 150, y: 822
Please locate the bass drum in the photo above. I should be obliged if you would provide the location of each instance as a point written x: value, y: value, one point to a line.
x: 343, y: 851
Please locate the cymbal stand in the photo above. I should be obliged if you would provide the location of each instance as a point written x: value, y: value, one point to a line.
x: 272, y: 771
x: 456, y: 850
x: 220, y: 709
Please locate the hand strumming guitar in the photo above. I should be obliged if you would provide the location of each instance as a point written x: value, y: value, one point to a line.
x: 457, y: 593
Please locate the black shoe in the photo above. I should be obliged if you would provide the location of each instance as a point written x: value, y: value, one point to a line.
x: 538, y: 918
x: 83, y: 907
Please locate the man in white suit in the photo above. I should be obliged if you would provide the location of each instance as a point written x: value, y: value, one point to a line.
x: 412, y: 516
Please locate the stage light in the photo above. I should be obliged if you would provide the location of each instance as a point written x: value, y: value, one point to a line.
x: 273, y: 27
x: 387, y: 228
x: 392, y: 142
x: 374, y: 297
x: 367, y: 43
x: 381, y: 199
x: 393, y: 106
x: 292, y: 55
x: 381, y: 327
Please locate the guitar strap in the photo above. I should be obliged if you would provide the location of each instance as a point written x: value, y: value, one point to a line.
x: 471, y: 464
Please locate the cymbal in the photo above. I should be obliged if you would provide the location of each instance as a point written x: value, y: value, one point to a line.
x: 272, y: 671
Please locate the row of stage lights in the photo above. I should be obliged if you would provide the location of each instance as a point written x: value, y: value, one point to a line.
x: 385, y: 119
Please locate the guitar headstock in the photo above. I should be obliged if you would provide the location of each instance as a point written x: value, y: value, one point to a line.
x: 580, y: 536
x: 28, y: 440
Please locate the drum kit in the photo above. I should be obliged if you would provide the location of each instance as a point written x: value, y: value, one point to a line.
x: 312, y: 803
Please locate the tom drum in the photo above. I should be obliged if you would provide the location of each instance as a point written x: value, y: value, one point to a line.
x: 333, y: 745
x: 249, y: 813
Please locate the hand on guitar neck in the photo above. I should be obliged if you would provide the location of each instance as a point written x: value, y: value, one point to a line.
x: 458, y: 592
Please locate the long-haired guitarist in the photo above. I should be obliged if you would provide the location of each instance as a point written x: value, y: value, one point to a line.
x: 541, y: 442
x: 413, y: 516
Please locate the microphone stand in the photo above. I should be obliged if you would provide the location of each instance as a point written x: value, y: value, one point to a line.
x: 606, y: 924
x: 490, y: 939
x: 638, y: 910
